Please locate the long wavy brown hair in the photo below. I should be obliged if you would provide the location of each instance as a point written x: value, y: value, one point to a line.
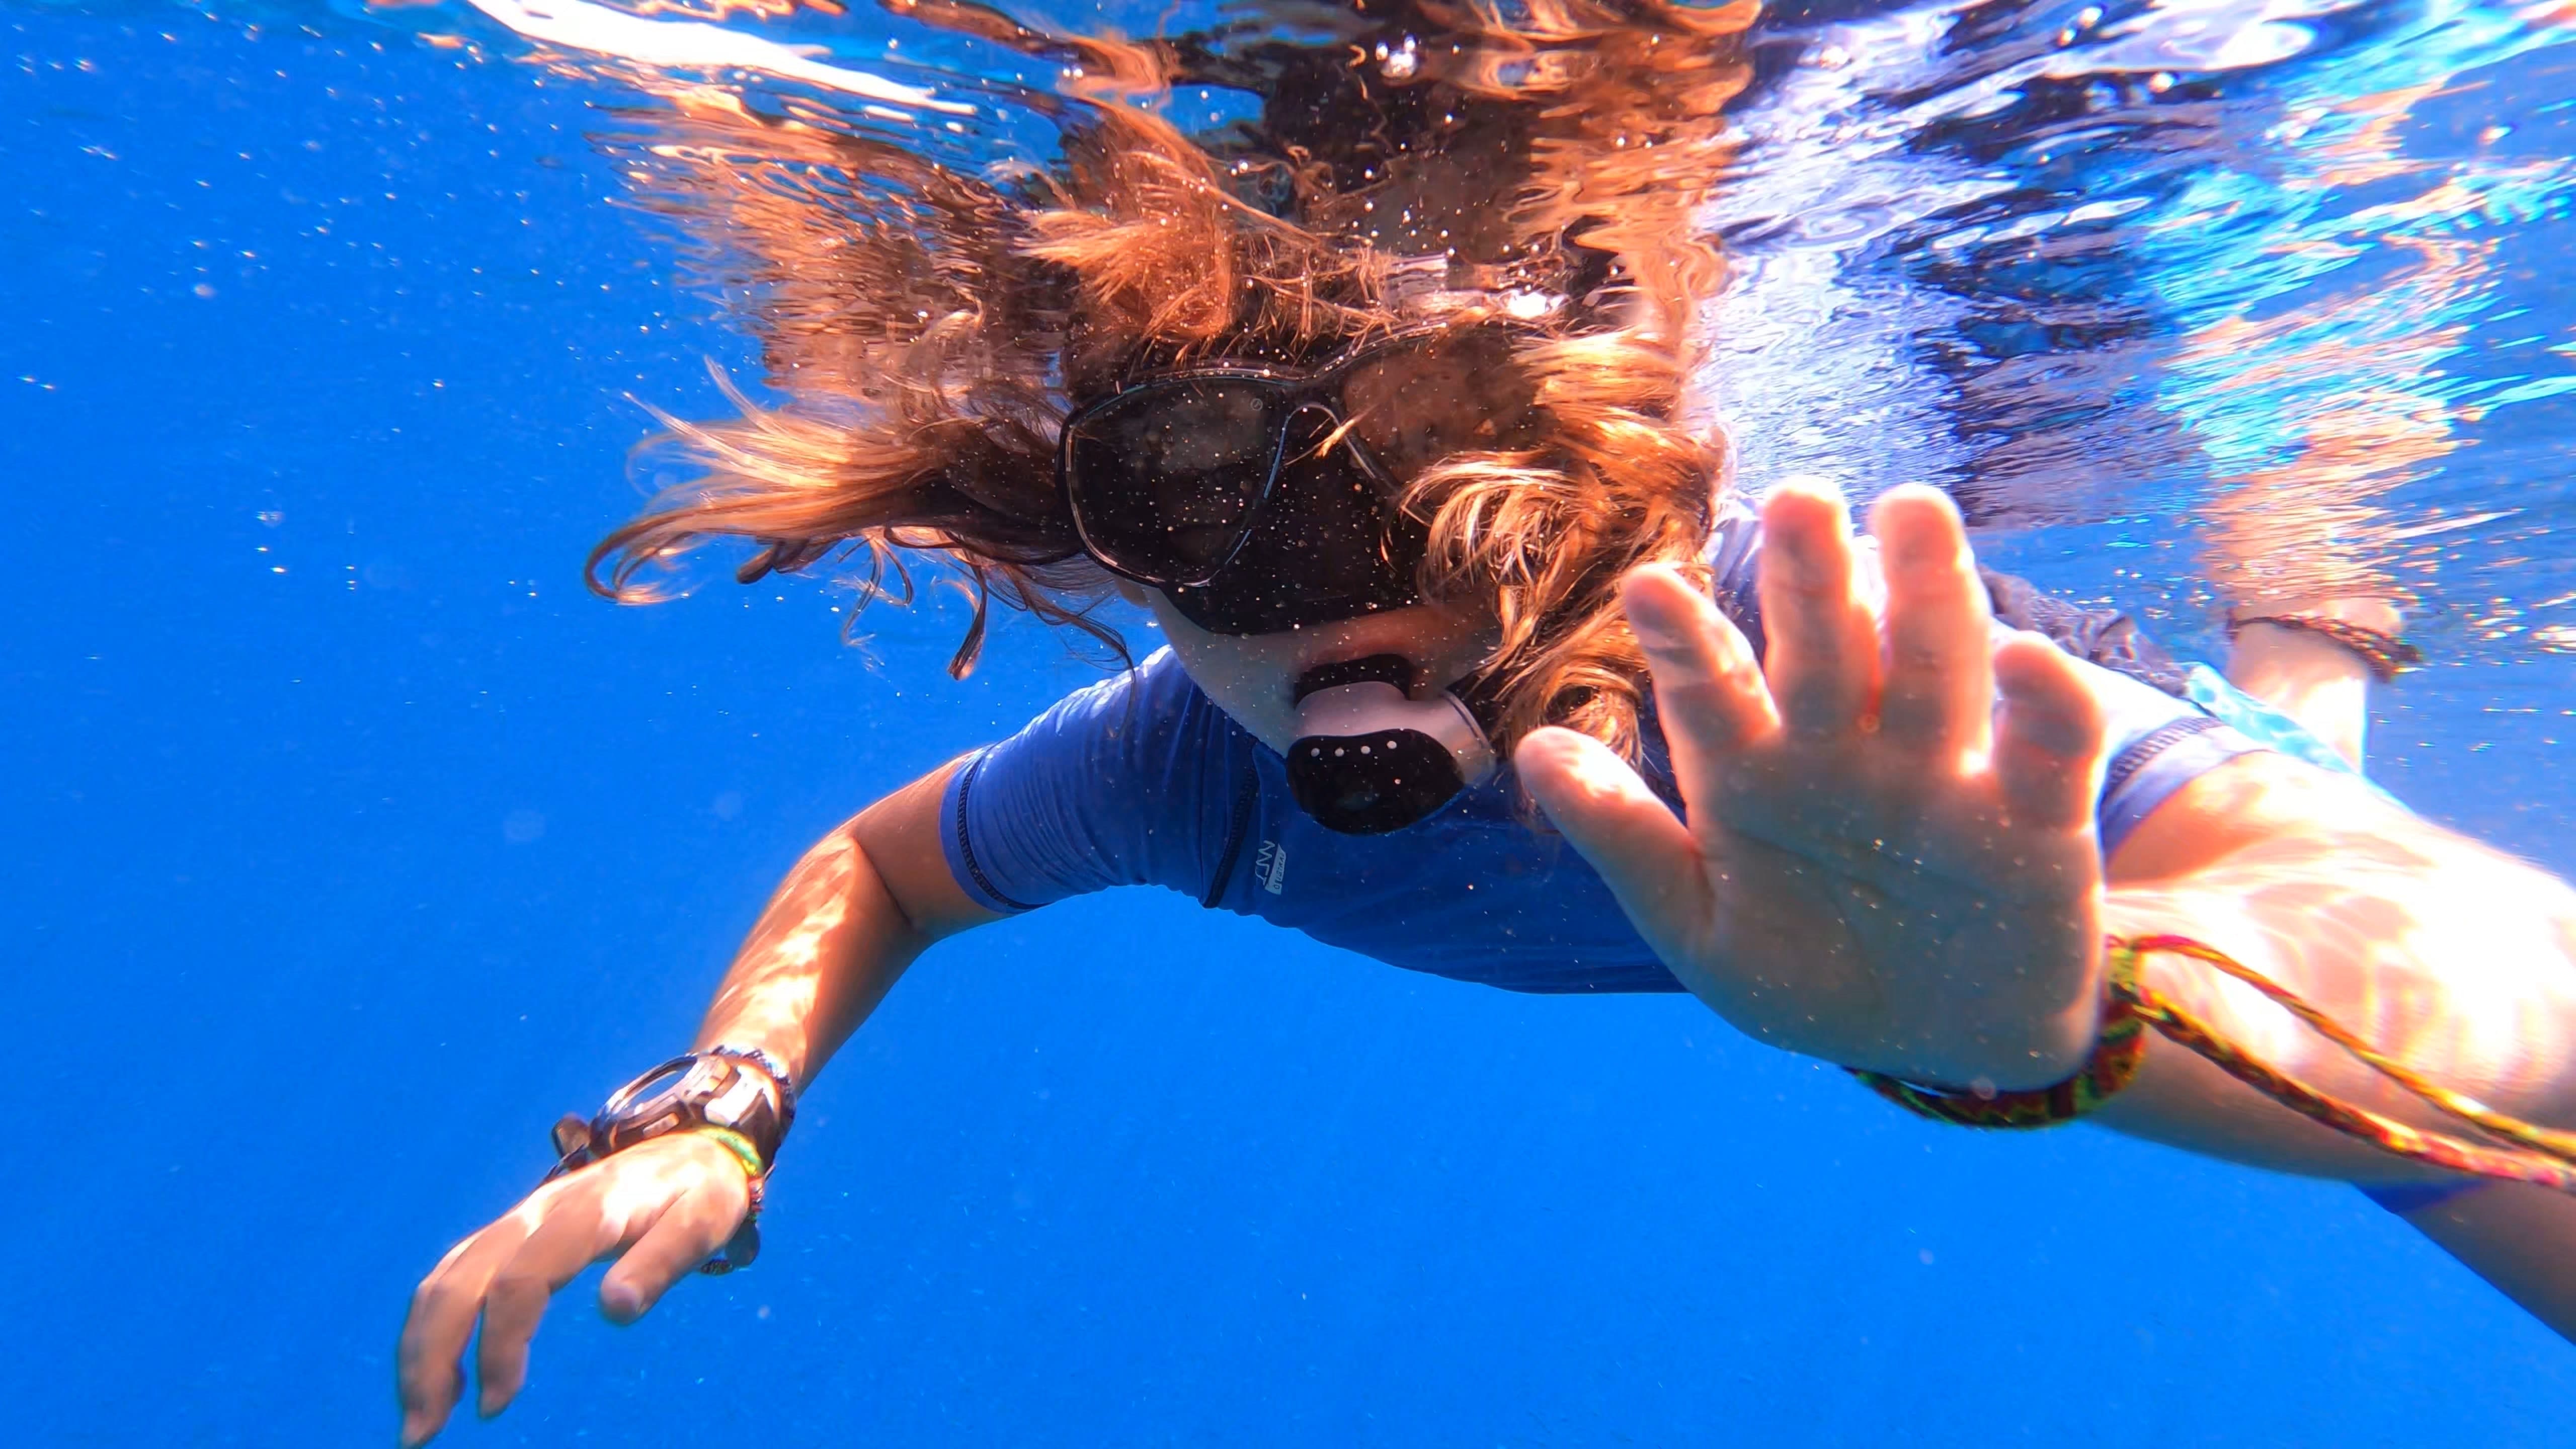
x: 930, y: 326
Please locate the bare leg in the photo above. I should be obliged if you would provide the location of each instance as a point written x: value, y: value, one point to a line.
x: 2309, y: 677
x: 2521, y: 1239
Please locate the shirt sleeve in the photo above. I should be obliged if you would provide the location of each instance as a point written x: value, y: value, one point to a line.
x: 1127, y: 782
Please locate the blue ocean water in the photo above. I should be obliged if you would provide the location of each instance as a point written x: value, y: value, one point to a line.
x: 350, y: 841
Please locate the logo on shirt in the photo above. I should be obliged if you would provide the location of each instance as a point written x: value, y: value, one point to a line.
x: 1271, y: 867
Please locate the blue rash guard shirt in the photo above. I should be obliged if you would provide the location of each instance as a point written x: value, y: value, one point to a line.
x: 1142, y: 780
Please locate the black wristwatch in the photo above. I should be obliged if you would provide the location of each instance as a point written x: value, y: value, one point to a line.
x: 741, y: 1097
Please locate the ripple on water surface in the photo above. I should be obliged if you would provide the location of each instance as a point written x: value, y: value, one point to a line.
x: 2277, y: 288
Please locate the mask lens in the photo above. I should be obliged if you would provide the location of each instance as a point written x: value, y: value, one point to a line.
x: 1163, y: 481
x: 1456, y: 393
x: 1330, y: 546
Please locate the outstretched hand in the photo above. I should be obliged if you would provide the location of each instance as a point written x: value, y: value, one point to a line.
x: 1880, y: 867
x: 660, y: 1208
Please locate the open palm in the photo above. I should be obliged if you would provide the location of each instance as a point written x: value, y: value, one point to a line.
x: 1879, y: 866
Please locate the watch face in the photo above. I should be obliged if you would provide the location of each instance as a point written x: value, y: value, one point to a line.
x: 647, y: 1107
x: 693, y: 1091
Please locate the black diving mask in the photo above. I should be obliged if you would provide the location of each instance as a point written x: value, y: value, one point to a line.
x: 1262, y: 499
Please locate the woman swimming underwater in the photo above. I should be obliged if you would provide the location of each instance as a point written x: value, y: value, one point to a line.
x: 1408, y: 478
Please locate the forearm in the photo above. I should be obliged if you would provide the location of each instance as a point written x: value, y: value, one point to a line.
x: 841, y: 929
x: 830, y: 945
x: 2454, y: 959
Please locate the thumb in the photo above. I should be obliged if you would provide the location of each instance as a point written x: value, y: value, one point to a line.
x: 1642, y: 850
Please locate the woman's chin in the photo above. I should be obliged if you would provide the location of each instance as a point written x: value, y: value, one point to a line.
x: 1253, y: 677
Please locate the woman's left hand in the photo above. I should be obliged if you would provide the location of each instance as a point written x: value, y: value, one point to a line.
x: 1881, y: 868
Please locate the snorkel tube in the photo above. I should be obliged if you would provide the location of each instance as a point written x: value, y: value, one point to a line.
x: 1369, y: 759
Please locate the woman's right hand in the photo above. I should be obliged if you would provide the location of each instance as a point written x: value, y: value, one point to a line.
x: 660, y: 1208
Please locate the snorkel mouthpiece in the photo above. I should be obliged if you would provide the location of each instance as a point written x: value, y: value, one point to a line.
x: 1368, y: 759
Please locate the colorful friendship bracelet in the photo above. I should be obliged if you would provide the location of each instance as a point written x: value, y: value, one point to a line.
x: 2540, y: 1155
x: 740, y: 1249
x: 740, y: 1146
x: 2117, y: 1051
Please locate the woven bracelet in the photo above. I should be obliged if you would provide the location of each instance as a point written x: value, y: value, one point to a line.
x: 2385, y: 654
x: 2113, y: 1064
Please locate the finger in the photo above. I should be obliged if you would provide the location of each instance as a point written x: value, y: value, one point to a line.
x: 1642, y: 851
x: 1710, y: 697
x: 685, y: 1236
x: 2048, y: 745
x: 429, y: 1373
x: 1823, y: 654
x: 577, y: 1233
x: 1937, y: 694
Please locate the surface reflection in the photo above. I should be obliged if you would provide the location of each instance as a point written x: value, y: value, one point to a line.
x: 2077, y: 264
x: 2099, y: 266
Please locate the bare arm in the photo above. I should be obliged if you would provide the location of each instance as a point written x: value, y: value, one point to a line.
x: 856, y: 910
x: 864, y: 902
